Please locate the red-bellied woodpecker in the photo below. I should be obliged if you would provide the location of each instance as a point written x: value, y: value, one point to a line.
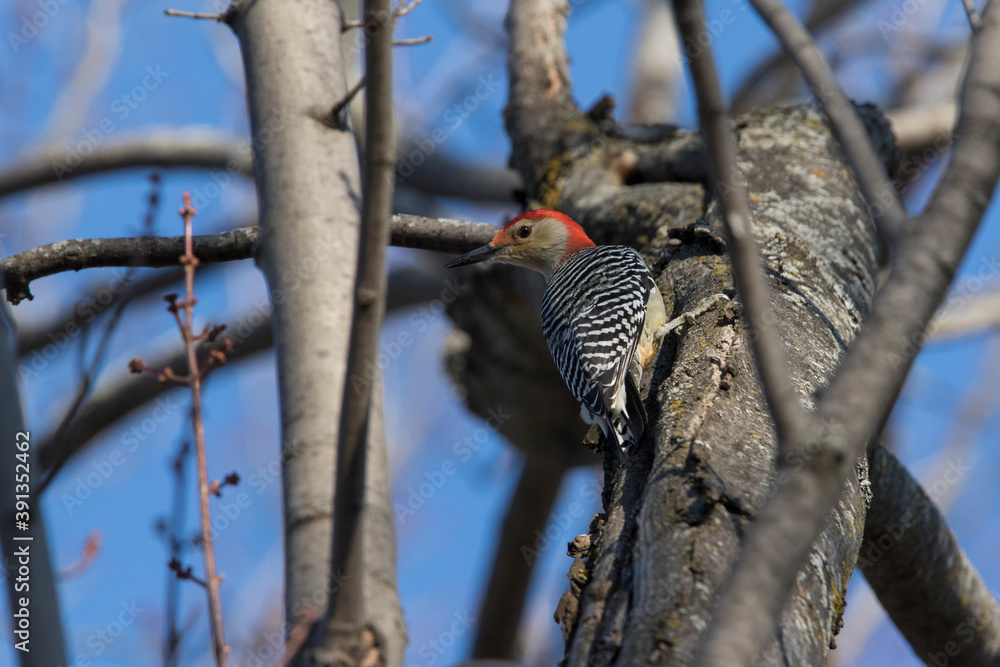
x: 600, y: 314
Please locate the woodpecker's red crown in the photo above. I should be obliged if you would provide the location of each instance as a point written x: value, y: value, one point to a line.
x: 541, y: 240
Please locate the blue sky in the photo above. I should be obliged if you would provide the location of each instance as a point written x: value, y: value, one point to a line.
x: 446, y: 545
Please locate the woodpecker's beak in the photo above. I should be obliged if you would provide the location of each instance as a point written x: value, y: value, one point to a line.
x: 487, y: 252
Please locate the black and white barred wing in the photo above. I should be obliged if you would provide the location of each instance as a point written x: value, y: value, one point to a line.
x: 592, y: 317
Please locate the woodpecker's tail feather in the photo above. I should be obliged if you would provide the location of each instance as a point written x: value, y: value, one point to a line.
x: 625, y: 429
x: 635, y: 411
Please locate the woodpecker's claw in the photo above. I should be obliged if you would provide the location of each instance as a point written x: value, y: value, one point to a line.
x: 688, y: 318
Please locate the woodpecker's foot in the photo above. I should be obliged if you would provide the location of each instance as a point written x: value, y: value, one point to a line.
x: 686, y: 319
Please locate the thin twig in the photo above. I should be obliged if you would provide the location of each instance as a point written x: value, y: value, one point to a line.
x: 185, y: 573
x: 174, y: 532
x: 348, y: 96
x: 731, y: 190
x: 196, y: 15
x: 403, y: 10
x: 970, y: 10
x: 297, y: 637
x: 890, y: 216
x: 412, y: 41
x: 89, y: 374
x: 90, y: 550
x: 190, y: 262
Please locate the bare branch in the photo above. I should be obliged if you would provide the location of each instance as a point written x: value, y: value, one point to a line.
x: 437, y: 175
x: 921, y: 576
x: 413, y: 41
x: 68, y: 325
x: 656, y: 67
x: 970, y: 10
x: 89, y: 374
x: 173, y: 533
x: 212, y: 580
x: 890, y: 216
x: 346, y: 620
x: 861, y: 394
x: 822, y: 15
x: 120, y: 396
x: 222, y: 17
x: 348, y: 96
x: 734, y: 200
x: 973, y: 316
x: 184, y: 148
x: 540, y: 102
x: 408, y: 231
x: 92, y: 70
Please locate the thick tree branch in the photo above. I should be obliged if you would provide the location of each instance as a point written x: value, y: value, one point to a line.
x: 408, y: 231
x: 308, y: 189
x: 734, y: 201
x: 921, y: 576
x: 657, y: 66
x: 540, y: 103
x: 865, y: 387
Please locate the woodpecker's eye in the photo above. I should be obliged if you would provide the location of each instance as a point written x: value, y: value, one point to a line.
x: 524, y: 232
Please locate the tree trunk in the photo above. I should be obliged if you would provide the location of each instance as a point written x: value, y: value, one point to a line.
x: 309, y: 190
